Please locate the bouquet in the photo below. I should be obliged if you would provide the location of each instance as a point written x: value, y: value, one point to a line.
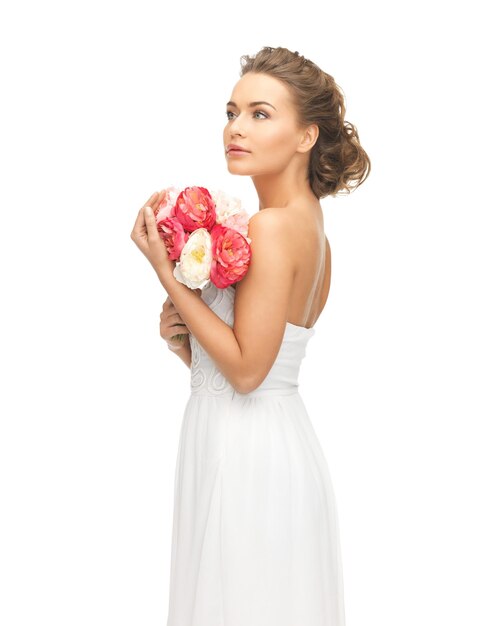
x: 206, y: 233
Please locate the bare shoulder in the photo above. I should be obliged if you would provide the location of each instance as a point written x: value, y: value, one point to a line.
x: 273, y: 222
x: 273, y: 228
x: 292, y: 225
x: 288, y: 218
x: 271, y: 217
x: 272, y: 213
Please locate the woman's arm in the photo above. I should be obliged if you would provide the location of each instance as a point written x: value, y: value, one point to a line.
x: 246, y: 353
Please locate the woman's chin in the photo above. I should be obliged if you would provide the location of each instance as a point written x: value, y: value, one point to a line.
x: 238, y: 168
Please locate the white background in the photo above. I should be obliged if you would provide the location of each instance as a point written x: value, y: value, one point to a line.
x: 105, y: 103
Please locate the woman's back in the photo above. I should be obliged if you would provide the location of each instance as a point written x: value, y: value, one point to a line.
x: 313, y: 266
x: 311, y: 255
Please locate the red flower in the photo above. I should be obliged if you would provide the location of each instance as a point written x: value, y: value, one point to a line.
x: 230, y: 256
x: 195, y: 208
x: 173, y: 235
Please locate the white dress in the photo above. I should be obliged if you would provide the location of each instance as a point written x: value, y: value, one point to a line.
x: 255, y: 528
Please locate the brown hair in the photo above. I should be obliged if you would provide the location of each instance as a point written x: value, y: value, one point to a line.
x: 337, y: 160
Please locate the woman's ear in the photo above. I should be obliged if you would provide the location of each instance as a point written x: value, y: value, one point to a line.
x: 309, y: 138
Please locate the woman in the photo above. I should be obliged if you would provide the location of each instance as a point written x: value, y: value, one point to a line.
x: 255, y: 528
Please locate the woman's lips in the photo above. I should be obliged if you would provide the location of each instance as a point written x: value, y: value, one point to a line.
x: 234, y: 147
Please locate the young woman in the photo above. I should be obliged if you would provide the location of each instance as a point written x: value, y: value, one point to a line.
x: 255, y: 528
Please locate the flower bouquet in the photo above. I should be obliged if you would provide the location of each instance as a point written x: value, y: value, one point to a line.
x: 206, y: 234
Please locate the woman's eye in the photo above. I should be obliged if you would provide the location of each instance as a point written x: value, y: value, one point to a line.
x: 229, y: 113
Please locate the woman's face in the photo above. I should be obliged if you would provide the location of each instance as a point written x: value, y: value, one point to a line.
x: 270, y: 133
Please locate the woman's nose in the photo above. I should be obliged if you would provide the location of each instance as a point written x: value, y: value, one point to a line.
x: 236, y: 127
x: 236, y: 131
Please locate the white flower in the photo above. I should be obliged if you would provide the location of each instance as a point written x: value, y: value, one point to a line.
x: 225, y: 206
x: 193, y: 268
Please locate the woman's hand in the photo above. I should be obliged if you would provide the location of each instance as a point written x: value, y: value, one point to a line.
x: 171, y: 324
x: 146, y: 236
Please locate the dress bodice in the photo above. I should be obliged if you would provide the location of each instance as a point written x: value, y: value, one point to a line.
x: 283, y: 377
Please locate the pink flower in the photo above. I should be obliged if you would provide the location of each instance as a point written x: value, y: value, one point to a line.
x: 238, y: 222
x: 230, y: 212
x: 167, y: 204
x: 195, y: 208
x: 230, y: 256
x: 173, y: 235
